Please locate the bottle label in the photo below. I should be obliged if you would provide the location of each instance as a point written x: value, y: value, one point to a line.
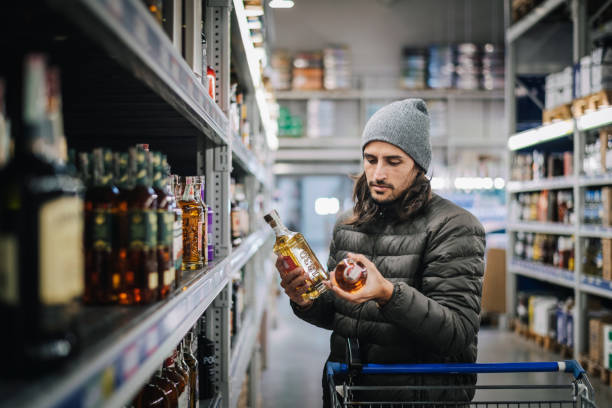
x: 102, y: 230
x: 143, y: 229
x: 61, y: 260
x: 183, y: 401
x: 177, y: 247
x: 165, y: 228
x: 168, y: 276
x: 200, y: 236
x: 153, y: 281
x: 9, y: 269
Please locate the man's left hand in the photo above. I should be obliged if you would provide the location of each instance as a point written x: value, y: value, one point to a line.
x: 376, y: 288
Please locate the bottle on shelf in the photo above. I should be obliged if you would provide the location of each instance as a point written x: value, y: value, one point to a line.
x: 165, y: 227
x: 183, y: 369
x: 192, y: 363
x: 167, y: 386
x: 192, y: 227
x: 206, y: 364
x: 121, y: 230
x: 211, y: 76
x: 142, y: 213
x: 41, y: 239
x: 199, y: 193
x: 296, y: 251
x: 6, y: 142
x: 177, y: 229
x: 211, y: 245
x: 151, y: 396
x: 178, y: 380
x: 102, y: 280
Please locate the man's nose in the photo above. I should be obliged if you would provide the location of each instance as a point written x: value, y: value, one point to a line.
x: 379, y: 173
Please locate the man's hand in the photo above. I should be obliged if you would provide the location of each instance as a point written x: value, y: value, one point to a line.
x: 376, y: 288
x: 293, y: 281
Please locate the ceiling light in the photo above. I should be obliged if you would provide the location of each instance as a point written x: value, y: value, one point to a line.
x: 281, y: 3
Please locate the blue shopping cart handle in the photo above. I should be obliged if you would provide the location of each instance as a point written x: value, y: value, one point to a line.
x: 568, y: 366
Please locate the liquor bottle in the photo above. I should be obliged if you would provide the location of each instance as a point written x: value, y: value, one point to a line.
x: 183, y: 369
x: 155, y: 7
x: 206, y: 363
x: 5, y: 136
x: 41, y: 233
x: 192, y: 227
x: 200, y: 184
x: 177, y: 242
x: 121, y: 230
x: 151, y: 396
x: 101, y: 280
x: 167, y: 387
x: 142, y: 214
x: 178, y: 380
x: 165, y: 229
x: 192, y: 363
x: 297, y: 252
x: 211, y: 245
x: 350, y: 275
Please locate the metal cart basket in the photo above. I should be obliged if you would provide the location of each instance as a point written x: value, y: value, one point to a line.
x: 576, y: 393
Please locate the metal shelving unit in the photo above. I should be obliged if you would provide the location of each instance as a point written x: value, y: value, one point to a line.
x: 574, y: 130
x: 123, y: 346
x: 543, y: 227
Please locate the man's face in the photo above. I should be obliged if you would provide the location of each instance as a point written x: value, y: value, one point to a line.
x: 388, y: 169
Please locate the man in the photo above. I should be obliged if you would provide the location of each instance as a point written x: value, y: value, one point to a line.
x: 425, y: 262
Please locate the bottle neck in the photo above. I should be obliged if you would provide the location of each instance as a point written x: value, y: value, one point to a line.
x: 189, y: 193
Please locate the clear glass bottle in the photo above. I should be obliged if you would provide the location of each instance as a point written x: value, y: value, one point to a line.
x: 351, y: 276
x: 296, y: 250
x: 200, y: 185
x: 183, y: 369
x: 192, y: 363
x: 177, y: 242
x: 170, y: 371
x: 192, y: 227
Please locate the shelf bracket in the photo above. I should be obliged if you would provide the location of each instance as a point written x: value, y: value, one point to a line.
x: 218, y: 48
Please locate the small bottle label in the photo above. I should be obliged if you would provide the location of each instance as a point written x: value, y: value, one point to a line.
x: 177, y: 247
x: 153, y: 281
x: 165, y: 221
x: 143, y: 229
x: 101, y: 230
x: 168, y: 276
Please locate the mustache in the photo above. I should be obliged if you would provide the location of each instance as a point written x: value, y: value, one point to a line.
x: 373, y: 184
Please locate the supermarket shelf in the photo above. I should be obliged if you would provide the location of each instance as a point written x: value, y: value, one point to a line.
x: 595, y: 180
x: 133, y: 346
x: 318, y: 142
x: 557, y: 276
x: 538, y: 13
x: 545, y: 133
x: 543, y: 227
x: 596, y: 286
x: 270, y: 127
x: 593, y: 120
x: 247, y: 160
x: 595, y: 231
x: 128, y: 32
x: 355, y: 94
x: 542, y: 184
x: 331, y: 168
x: 247, y: 337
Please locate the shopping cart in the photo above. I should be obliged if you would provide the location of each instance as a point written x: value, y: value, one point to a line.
x: 578, y: 393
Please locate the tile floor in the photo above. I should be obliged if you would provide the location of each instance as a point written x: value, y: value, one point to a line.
x: 298, y: 350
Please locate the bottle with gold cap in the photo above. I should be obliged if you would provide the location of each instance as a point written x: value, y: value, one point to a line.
x: 294, y: 247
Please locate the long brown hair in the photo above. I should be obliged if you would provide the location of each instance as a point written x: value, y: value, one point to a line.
x: 410, y: 203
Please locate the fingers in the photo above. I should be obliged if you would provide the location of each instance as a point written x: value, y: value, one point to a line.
x: 360, y: 259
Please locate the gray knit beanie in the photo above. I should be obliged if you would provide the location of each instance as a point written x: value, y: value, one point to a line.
x: 404, y: 124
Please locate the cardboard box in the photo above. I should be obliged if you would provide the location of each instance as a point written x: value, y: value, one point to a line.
x: 541, y: 314
x: 596, y: 325
x: 607, y: 345
x: 494, y: 284
x: 606, y: 245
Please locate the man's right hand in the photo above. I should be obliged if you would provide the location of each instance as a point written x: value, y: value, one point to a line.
x: 294, y: 281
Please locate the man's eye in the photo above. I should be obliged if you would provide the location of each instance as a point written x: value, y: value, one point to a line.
x: 371, y: 161
x: 394, y: 163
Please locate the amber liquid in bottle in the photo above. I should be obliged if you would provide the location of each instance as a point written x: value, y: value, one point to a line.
x: 183, y: 369
x: 192, y: 227
x: 122, y: 232
x: 178, y: 380
x: 294, y: 247
x: 165, y: 225
x: 151, y: 396
x: 167, y: 387
x: 200, y: 183
x: 142, y: 251
x: 101, y: 202
x: 177, y: 242
x: 350, y: 275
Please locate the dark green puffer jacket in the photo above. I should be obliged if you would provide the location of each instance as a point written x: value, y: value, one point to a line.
x: 436, y: 264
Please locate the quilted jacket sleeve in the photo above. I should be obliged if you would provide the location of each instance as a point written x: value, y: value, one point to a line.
x: 321, y: 312
x: 444, y: 316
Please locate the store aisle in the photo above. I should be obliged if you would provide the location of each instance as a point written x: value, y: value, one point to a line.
x: 298, y: 350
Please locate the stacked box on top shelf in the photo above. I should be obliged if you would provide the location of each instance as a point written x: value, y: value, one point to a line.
x: 280, y: 76
x: 307, y: 71
x: 601, y: 69
x: 337, y: 65
x: 559, y: 94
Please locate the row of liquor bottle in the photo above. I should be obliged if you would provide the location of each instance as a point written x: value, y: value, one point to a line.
x: 138, y: 236
x: 598, y: 152
x: 537, y: 165
x: 186, y: 376
x: 544, y: 206
x: 598, y: 206
x: 598, y: 258
x: 553, y: 250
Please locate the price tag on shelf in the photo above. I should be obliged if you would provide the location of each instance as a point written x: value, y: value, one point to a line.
x: 130, y: 361
x: 151, y: 340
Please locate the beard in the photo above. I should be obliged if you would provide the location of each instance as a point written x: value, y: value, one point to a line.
x: 387, y: 199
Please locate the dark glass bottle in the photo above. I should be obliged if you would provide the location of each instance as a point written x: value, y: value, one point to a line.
x: 101, y: 280
x: 121, y: 231
x: 151, y: 396
x: 177, y: 379
x: 167, y: 386
x: 41, y: 229
x: 177, y: 242
x: 165, y: 226
x: 183, y: 369
x: 142, y: 214
x: 192, y: 363
x: 206, y: 363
